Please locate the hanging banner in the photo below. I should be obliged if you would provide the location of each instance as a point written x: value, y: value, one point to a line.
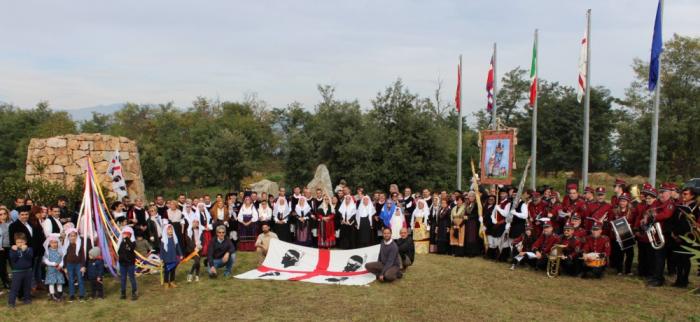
x: 290, y: 262
x: 114, y: 171
x: 497, y: 153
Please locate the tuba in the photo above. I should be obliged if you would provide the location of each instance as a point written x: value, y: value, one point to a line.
x: 554, y: 260
x: 653, y: 230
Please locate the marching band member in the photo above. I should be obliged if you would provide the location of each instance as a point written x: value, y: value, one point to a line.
x: 661, y: 215
x: 572, y: 204
x: 596, y: 250
x: 571, y: 262
x: 622, y: 209
x: 599, y: 211
x: 644, y: 250
x: 498, y: 217
x: 543, y: 245
x: 537, y: 209
x: 518, y: 216
x: 684, y: 221
x: 619, y: 188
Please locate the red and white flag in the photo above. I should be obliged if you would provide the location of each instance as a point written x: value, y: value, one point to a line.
x: 291, y: 262
x: 115, y: 172
x: 458, y: 98
x: 489, y: 87
x: 582, y: 63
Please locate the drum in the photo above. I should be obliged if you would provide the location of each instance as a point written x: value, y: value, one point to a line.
x: 623, y: 233
x: 595, y: 262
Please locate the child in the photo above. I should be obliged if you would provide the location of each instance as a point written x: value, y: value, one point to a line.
x: 194, y: 243
x: 53, y: 259
x: 74, y: 260
x: 126, y: 249
x: 170, y: 254
x: 95, y: 272
x: 143, y: 247
x: 21, y: 261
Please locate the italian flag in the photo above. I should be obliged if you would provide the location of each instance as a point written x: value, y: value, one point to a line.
x: 533, y: 76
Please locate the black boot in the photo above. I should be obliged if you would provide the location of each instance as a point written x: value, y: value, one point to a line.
x: 123, y: 296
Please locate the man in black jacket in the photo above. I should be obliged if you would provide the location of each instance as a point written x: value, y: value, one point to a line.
x: 407, y: 249
x: 221, y: 253
x: 35, y: 239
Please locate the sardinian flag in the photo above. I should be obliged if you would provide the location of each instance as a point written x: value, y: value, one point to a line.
x: 115, y: 172
x: 290, y: 262
x: 489, y: 86
x: 582, y: 62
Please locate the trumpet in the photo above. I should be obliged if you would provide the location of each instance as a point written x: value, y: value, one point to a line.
x: 694, y: 234
x: 654, y: 232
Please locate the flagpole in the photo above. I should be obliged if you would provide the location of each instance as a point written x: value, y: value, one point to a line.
x: 655, y: 118
x: 587, y: 101
x: 495, y: 90
x: 533, y: 153
x: 459, y: 129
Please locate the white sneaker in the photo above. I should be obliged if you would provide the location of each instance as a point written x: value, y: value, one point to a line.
x: 189, y: 278
x: 512, y: 267
x: 196, y: 278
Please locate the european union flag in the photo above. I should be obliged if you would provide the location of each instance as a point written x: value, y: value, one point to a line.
x: 657, y: 47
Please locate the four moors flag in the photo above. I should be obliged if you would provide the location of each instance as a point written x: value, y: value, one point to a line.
x: 115, y: 172
x: 582, y: 62
x: 533, y: 76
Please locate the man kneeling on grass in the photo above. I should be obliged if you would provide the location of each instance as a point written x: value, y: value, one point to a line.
x: 221, y: 253
x: 387, y: 266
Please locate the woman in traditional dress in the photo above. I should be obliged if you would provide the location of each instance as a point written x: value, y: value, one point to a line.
x: 419, y: 224
x: 396, y: 222
x: 442, y: 229
x: 325, y: 215
x: 302, y: 214
x: 348, y: 223
x: 433, y: 222
x: 247, y: 225
x: 364, y: 222
x: 221, y: 216
x: 457, y: 232
x: 264, y: 215
x: 280, y: 214
x: 205, y: 221
x: 473, y: 244
x: 176, y: 219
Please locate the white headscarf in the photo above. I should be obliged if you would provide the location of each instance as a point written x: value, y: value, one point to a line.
x: 420, y: 214
x: 302, y: 207
x: 78, y: 241
x: 207, y: 215
x: 348, y: 210
x: 164, y: 238
x: 126, y: 229
x: 191, y: 234
x: 285, y: 209
x: 365, y: 211
x: 264, y: 214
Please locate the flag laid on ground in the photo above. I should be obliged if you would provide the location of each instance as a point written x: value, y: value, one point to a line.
x: 657, y: 46
x: 582, y: 62
x: 489, y: 87
x: 115, y: 172
x: 533, y: 76
x: 458, y: 100
x: 291, y: 262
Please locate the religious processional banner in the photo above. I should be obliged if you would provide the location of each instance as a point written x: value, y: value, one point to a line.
x: 497, y: 152
x: 290, y: 262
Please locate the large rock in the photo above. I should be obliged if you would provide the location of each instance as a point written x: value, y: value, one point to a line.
x: 63, y: 158
x: 322, y: 180
x: 267, y: 186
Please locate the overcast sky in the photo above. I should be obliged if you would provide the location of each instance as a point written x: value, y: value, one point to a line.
x: 82, y: 53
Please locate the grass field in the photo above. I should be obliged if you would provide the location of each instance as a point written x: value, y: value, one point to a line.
x: 435, y: 288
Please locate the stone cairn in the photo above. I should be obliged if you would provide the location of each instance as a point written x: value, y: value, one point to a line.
x: 63, y: 159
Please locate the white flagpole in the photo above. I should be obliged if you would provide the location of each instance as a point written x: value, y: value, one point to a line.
x: 533, y: 153
x: 459, y: 129
x: 655, y: 117
x: 587, y: 102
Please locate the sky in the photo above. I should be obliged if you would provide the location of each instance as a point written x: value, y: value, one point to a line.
x: 83, y: 53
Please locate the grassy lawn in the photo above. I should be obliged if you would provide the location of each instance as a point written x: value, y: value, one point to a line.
x: 435, y: 288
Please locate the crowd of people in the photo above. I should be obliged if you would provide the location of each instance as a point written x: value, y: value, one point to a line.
x: 522, y: 228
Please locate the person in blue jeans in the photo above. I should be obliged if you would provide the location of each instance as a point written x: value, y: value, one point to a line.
x: 126, y: 249
x: 221, y: 253
x: 74, y: 261
x: 21, y: 262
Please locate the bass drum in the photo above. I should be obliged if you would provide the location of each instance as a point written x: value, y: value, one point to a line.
x: 623, y: 233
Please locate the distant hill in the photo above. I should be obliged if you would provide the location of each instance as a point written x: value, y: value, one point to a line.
x: 85, y: 113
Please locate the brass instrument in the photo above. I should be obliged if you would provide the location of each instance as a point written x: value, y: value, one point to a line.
x: 634, y: 192
x: 693, y: 235
x: 554, y: 260
x: 653, y: 230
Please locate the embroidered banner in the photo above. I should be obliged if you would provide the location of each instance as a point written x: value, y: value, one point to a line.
x: 290, y: 262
